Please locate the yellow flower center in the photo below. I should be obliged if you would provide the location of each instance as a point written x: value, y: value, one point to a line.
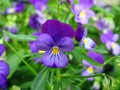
x: 41, y: 51
x: 90, y: 69
x: 82, y: 13
x: 11, y: 10
x: 113, y: 45
x: 85, y: 41
x: 55, y: 50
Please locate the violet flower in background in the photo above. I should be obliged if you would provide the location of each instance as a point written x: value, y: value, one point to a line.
x: 110, y: 40
x: 4, y: 69
x: 37, y: 20
x: 102, y: 24
x: 91, y: 69
x: 39, y: 4
x: 12, y: 28
x: 34, y: 22
x: 82, y: 11
x: 80, y: 36
x: 55, y: 39
x: 17, y: 7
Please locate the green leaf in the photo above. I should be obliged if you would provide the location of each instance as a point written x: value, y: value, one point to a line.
x: 40, y: 80
x: 81, y: 55
x: 14, y: 61
x: 20, y: 37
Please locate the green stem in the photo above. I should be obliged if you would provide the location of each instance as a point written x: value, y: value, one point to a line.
x: 31, y: 69
x: 113, y: 58
x: 58, y: 8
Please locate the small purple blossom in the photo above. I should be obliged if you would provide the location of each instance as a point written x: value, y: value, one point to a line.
x: 110, y: 40
x: 102, y: 24
x: 82, y: 11
x: 17, y: 7
x: 39, y: 4
x: 34, y: 22
x: 37, y: 20
x: 91, y: 69
x: 81, y: 34
x: 55, y: 39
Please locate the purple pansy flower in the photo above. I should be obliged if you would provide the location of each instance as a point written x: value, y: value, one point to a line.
x: 17, y: 7
x: 81, y: 34
x: 82, y: 11
x: 39, y: 4
x: 92, y: 68
x: 110, y: 40
x: 102, y: 24
x: 55, y: 39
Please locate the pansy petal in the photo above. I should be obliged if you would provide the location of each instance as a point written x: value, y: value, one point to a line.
x: 83, y: 20
x: 57, y: 29
x: 83, y: 37
x: 109, y: 45
x: 85, y: 73
x: 115, y: 37
x: 4, y: 68
x: 2, y: 49
x: 102, y: 24
x: 89, y: 44
x: 55, y: 61
x: 33, y: 46
x: 96, y: 56
x: 3, y: 81
x: 44, y: 42
x: 91, y: 79
x: 79, y: 32
x: 66, y: 44
x: 116, y: 49
x: 107, y: 37
x: 90, y: 13
x: 19, y: 7
x: 86, y: 3
x: 87, y: 64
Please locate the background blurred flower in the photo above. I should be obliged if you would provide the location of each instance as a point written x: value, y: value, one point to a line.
x: 110, y: 40
x: 39, y: 4
x: 17, y: 7
x: 102, y: 24
x: 82, y: 11
x: 81, y: 34
x: 37, y: 20
x: 91, y: 69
